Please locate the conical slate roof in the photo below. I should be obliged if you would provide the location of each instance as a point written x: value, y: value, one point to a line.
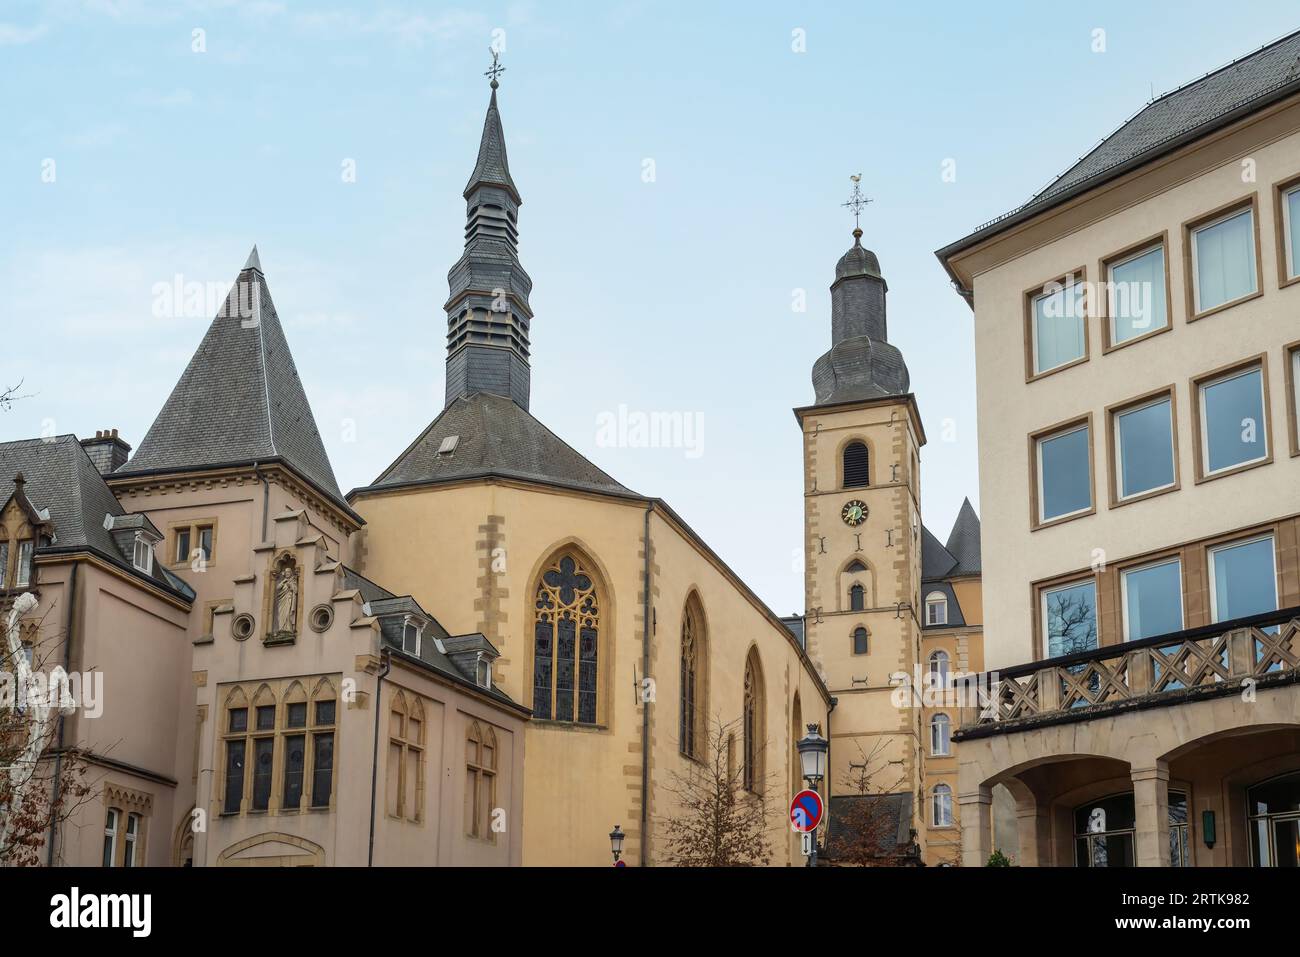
x: 492, y: 167
x: 239, y: 400
x: 493, y: 436
x: 964, y: 541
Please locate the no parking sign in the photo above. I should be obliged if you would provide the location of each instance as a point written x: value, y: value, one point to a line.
x: 805, y: 811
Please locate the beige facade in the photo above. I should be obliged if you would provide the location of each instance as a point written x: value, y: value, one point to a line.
x: 1174, y: 733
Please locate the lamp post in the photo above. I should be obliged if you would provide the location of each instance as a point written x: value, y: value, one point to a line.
x: 616, y: 843
x: 813, y: 749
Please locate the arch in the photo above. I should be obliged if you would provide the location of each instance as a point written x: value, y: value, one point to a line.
x: 796, y: 731
x: 183, y: 841
x: 940, y: 669
x: 753, y: 723
x: 941, y: 806
x: 293, y: 851
x: 693, y: 674
x: 857, y: 572
x: 568, y: 660
x: 236, y: 698
x: 855, y: 464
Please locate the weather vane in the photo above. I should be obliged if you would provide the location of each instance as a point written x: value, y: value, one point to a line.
x: 496, y: 69
x: 856, y: 203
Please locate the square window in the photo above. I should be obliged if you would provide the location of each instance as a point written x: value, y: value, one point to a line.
x: 182, y: 545
x: 1153, y: 600
x: 266, y: 717
x: 238, y: 720
x: 1064, y: 474
x: 1058, y: 326
x: 205, y: 541
x: 1291, y: 231
x: 1233, y: 428
x: 1243, y: 579
x: 324, y: 712
x: 1137, y: 295
x: 1144, y: 448
x: 1070, y: 618
x: 296, y: 716
x: 1223, y: 260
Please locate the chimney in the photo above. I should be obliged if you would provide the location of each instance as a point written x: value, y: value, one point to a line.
x: 107, y: 451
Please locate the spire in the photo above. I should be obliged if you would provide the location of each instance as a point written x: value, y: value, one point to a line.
x: 488, y: 315
x: 861, y: 363
x: 239, y: 401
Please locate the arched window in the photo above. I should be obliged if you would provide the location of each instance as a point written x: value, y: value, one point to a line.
x: 796, y: 731
x: 857, y: 597
x: 406, y: 759
x: 694, y: 667
x: 1273, y: 807
x: 480, y: 781
x: 753, y: 733
x: 939, y: 669
x: 565, y: 642
x: 936, y: 608
x: 859, y: 640
x: 857, y: 471
x: 941, y: 806
x: 940, y: 733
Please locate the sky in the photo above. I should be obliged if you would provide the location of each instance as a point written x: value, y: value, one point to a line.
x: 682, y: 167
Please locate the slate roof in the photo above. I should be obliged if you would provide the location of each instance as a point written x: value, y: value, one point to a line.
x: 964, y: 542
x: 61, y: 478
x: 1185, y: 114
x: 890, y: 816
x: 495, y: 436
x: 239, y: 400
x: 492, y: 166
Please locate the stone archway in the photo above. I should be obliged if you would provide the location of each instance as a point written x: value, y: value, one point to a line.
x: 272, y: 849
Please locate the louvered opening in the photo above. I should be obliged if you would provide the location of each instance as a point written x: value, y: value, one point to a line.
x: 857, y: 470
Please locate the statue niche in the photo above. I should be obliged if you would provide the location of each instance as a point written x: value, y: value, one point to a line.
x: 285, y: 585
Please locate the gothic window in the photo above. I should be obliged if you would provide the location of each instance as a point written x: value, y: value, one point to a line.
x: 856, y: 566
x: 753, y: 735
x: 565, y: 642
x: 859, y: 640
x: 693, y: 668
x: 322, y: 741
x: 857, y: 597
x: 406, y: 759
x: 857, y: 472
x: 480, y: 781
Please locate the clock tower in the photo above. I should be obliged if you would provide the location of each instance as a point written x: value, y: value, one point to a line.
x: 862, y: 541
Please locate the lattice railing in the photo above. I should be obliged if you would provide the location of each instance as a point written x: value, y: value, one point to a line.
x: 1257, y: 647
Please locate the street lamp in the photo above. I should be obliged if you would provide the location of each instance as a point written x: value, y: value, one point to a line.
x: 812, y: 761
x: 812, y: 755
x: 616, y: 842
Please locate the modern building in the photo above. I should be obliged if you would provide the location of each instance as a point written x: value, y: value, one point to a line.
x: 1136, y: 345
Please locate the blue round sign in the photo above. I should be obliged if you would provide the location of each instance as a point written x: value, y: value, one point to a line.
x: 806, y: 811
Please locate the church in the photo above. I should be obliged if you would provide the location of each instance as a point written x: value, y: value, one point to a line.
x: 295, y: 675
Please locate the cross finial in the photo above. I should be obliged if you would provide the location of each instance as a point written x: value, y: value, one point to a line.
x: 856, y: 203
x: 496, y: 69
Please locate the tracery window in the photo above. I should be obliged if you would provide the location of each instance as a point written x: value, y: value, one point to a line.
x: 753, y: 730
x: 693, y: 669
x: 406, y: 759
x: 565, y: 642
x: 480, y: 781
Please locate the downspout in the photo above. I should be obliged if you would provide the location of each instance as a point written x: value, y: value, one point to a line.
x: 645, y: 705
x: 386, y: 666
x: 58, y: 754
x: 266, y: 498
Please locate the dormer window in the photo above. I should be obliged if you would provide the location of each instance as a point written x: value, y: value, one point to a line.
x: 23, y: 572
x: 142, y: 557
x: 484, y: 672
x: 936, y: 608
x: 411, y: 638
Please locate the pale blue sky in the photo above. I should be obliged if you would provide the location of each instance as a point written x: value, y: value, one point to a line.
x: 671, y: 296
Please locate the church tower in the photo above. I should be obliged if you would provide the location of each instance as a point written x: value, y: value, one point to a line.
x: 861, y: 445
x: 487, y: 307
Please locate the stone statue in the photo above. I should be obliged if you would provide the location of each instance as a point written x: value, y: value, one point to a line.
x: 284, y: 617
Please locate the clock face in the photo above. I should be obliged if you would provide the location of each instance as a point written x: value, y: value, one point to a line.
x: 854, y: 513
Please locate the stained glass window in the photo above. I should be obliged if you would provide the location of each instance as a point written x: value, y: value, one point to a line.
x: 566, y: 640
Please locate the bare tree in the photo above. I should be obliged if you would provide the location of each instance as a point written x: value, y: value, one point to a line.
x: 10, y: 395
x: 866, y: 830
x: 36, y: 792
x: 717, y: 822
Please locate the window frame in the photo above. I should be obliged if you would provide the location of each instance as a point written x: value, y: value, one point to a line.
x: 1213, y: 218
x: 1044, y: 650
x: 585, y: 565
x: 1075, y: 277
x: 935, y: 724
x: 945, y: 673
x: 112, y: 831
x: 1115, y: 458
x: 193, y: 528
x: 1285, y: 253
x: 935, y: 794
x: 844, y: 451
x: 936, y: 599
x: 1124, y: 572
x: 139, y: 542
x: 1223, y: 374
x: 23, y: 565
x: 1106, y: 303
x: 131, y: 838
x: 1271, y: 536
x: 409, y: 623
x: 1291, y: 354
x: 866, y: 640
x: 1060, y: 429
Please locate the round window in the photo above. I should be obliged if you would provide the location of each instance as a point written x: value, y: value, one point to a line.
x: 242, y: 627
x: 322, y: 616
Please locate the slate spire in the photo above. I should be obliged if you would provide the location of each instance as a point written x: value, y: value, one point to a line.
x: 239, y: 400
x: 488, y: 315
